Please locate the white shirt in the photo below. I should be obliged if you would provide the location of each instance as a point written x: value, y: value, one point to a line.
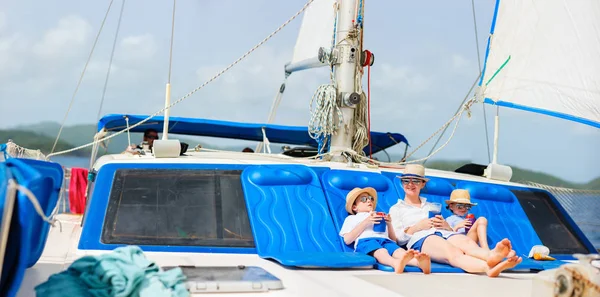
x: 404, y: 215
x: 353, y: 220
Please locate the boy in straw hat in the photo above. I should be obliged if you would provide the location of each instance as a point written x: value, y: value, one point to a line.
x: 460, y: 204
x: 358, y: 228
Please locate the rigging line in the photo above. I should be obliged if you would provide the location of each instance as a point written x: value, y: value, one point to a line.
x: 487, y: 137
x: 112, y: 54
x: 457, y: 110
x: 81, y: 76
x: 171, y: 47
x: 192, y: 91
x: 476, y: 37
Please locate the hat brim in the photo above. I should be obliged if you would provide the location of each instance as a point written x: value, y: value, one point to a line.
x: 410, y: 175
x: 351, y: 197
x: 461, y: 202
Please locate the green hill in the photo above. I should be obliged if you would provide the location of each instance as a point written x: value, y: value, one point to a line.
x: 82, y: 134
x: 521, y: 175
x: 31, y: 140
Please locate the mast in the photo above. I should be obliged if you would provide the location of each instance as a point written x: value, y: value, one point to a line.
x: 348, y: 50
x: 165, y: 135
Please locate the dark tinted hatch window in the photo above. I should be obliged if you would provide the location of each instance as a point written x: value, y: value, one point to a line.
x: 177, y: 207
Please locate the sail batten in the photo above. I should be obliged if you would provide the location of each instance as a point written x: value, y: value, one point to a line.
x: 554, y: 65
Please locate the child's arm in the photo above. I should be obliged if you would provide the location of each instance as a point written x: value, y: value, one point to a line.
x: 390, y: 228
x: 351, y: 236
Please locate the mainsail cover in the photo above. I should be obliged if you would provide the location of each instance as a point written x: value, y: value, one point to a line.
x: 316, y: 30
x: 551, y: 55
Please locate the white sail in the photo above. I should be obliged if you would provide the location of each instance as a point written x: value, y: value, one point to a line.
x: 551, y: 55
x: 316, y: 31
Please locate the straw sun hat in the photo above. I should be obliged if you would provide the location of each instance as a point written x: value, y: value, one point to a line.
x: 414, y: 171
x: 460, y: 196
x: 352, y: 195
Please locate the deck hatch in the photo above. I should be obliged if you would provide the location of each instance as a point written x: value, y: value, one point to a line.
x: 181, y: 207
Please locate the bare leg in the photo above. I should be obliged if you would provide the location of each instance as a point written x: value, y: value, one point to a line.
x: 478, y: 233
x: 469, y: 247
x: 443, y: 252
x: 399, y: 263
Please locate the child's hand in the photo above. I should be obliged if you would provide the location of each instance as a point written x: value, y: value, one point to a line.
x: 373, y: 218
x: 463, y: 224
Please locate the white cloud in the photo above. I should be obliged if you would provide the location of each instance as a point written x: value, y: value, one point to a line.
x: 459, y: 62
x: 2, y: 21
x: 399, y: 78
x: 581, y: 129
x: 138, y: 47
x: 64, y: 40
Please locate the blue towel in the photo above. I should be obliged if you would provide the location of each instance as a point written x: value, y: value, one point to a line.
x: 124, y: 272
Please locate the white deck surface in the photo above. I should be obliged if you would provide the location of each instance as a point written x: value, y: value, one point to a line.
x: 61, y: 250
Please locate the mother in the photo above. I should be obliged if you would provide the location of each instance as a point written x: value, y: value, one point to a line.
x: 435, y: 237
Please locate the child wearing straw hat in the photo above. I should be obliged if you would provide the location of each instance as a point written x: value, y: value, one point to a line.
x: 460, y: 204
x: 358, y: 229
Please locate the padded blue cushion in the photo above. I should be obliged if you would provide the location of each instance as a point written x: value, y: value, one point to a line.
x: 48, y: 202
x: 506, y: 218
x: 290, y: 218
x: 12, y: 272
x: 28, y: 230
x: 338, y: 183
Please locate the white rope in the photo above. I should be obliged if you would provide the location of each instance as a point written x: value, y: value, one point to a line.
x: 36, y: 205
x: 361, y: 136
x: 193, y: 91
x: 16, y: 151
x: 466, y: 107
x: 321, y: 124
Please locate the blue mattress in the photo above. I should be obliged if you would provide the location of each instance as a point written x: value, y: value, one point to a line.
x: 28, y: 232
x: 290, y: 218
x: 338, y: 183
x: 506, y: 218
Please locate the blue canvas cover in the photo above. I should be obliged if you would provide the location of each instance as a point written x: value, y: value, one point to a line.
x: 28, y: 232
x: 297, y: 135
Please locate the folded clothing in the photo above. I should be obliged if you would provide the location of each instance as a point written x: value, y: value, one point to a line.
x: 124, y: 272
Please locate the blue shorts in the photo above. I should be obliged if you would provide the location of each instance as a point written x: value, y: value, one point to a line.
x: 370, y: 245
x: 417, y: 246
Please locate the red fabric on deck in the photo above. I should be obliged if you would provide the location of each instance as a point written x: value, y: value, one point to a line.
x: 77, y: 188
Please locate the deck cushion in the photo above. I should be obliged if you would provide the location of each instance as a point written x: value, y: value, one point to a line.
x: 290, y: 218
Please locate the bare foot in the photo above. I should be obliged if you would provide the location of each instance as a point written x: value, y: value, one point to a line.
x: 506, y: 264
x: 401, y: 263
x: 424, y: 262
x: 512, y: 253
x: 499, y: 252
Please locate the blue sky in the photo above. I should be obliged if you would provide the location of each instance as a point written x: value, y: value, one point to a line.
x: 425, y: 63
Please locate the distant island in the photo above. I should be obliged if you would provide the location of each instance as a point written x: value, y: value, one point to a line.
x: 41, y: 136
